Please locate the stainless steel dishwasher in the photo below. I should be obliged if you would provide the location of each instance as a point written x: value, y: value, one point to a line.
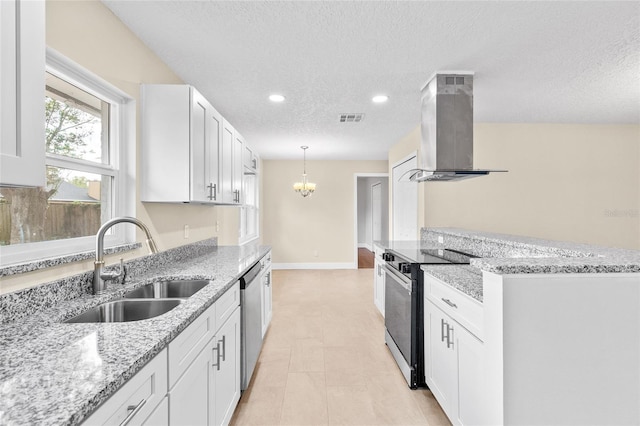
x: 251, y: 329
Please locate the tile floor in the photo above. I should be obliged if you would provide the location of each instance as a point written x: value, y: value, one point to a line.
x: 324, y: 360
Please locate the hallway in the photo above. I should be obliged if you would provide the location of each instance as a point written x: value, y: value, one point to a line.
x: 324, y: 360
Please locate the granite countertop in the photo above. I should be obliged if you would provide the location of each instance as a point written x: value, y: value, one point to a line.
x: 466, y: 279
x: 511, y: 254
x: 58, y: 373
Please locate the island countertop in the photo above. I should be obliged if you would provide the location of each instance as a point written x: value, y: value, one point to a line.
x: 58, y: 373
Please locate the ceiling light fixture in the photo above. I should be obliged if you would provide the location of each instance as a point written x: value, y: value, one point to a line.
x: 305, y: 188
x: 379, y: 99
x: 276, y: 98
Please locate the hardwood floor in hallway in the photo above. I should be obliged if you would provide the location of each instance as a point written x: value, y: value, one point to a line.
x: 324, y: 360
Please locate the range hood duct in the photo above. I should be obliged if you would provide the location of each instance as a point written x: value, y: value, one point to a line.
x: 447, y: 130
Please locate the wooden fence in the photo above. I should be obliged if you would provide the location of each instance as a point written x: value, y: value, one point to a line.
x: 64, y: 220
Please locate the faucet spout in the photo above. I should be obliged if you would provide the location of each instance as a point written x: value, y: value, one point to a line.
x: 99, y: 276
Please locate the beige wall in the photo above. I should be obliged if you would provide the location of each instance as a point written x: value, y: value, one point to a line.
x: 89, y: 34
x: 299, y: 228
x: 566, y: 182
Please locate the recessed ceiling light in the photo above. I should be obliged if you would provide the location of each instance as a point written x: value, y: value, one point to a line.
x: 378, y: 99
x: 276, y: 98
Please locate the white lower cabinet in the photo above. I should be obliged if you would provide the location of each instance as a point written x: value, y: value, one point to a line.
x: 224, y: 380
x: 160, y: 415
x: 454, y: 357
x: 266, y: 293
x: 195, y: 381
x: 378, y: 279
x: 188, y: 399
x: 136, y: 400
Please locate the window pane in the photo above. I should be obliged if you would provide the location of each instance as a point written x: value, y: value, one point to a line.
x: 77, y: 123
x: 73, y: 204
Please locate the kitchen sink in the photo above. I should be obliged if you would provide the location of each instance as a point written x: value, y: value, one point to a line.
x: 167, y: 289
x: 127, y: 310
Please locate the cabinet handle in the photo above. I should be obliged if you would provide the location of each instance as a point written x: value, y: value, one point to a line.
x: 449, y: 302
x: 224, y: 348
x: 268, y: 279
x: 449, y: 337
x: 133, y: 411
x: 255, y: 163
x: 442, y: 326
x: 217, y: 352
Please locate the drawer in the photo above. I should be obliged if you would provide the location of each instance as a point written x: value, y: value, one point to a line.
x: 188, y: 344
x: 462, y: 308
x: 226, y: 304
x: 143, y: 392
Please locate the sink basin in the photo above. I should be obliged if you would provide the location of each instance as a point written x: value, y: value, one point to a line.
x: 127, y: 310
x: 167, y: 289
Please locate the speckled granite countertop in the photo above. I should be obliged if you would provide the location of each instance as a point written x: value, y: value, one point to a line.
x: 58, y: 373
x: 467, y: 279
x: 511, y: 254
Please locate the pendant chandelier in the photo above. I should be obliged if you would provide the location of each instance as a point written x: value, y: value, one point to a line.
x: 305, y: 188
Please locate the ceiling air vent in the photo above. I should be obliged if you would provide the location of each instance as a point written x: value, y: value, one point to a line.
x: 353, y: 117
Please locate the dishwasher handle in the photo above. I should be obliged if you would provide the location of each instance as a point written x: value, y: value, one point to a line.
x: 250, y: 275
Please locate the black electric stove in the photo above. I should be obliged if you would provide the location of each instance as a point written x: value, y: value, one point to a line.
x: 404, y: 310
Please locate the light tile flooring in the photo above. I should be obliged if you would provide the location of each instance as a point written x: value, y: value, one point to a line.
x: 324, y: 360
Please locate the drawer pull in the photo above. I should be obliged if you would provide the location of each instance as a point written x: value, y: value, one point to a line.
x: 133, y: 411
x: 449, y: 302
x: 224, y: 347
x: 217, y: 357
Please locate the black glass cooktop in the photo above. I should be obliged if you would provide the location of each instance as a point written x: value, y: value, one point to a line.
x: 433, y: 256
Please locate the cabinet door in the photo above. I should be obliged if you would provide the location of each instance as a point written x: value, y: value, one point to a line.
x: 238, y: 168
x: 226, y: 370
x: 378, y: 285
x: 212, y: 152
x: 199, y: 149
x: 266, y: 300
x: 440, y: 357
x: 22, y: 66
x: 226, y: 163
x: 160, y: 416
x: 188, y: 398
x: 471, y: 387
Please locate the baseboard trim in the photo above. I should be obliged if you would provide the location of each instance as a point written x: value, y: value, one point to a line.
x: 365, y: 245
x: 313, y: 266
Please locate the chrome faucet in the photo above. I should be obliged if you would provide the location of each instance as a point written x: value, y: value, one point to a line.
x: 99, y: 276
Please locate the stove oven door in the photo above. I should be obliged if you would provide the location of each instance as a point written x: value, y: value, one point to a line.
x: 398, y: 320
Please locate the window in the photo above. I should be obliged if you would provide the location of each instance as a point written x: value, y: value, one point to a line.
x: 249, y: 212
x: 88, y: 169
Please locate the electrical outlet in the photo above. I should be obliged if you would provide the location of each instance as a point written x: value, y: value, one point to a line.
x: 440, y: 239
x: 186, y: 231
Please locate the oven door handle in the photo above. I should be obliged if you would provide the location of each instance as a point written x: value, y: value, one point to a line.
x: 400, y: 279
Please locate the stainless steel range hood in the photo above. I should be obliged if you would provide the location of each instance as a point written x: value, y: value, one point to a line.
x: 447, y: 130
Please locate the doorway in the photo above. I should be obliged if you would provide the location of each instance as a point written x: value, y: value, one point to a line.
x: 371, y: 222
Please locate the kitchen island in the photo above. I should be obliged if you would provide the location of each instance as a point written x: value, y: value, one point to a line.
x: 53, y: 372
x: 532, y: 331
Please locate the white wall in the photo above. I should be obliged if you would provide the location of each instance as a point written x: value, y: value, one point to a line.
x: 317, y: 231
x: 568, y: 182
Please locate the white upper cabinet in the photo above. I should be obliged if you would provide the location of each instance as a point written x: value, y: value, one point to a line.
x: 238, y: 168
x: 22, y: 67
x: 226, y: 163
x: 231, y: 166
x: 181, y: 135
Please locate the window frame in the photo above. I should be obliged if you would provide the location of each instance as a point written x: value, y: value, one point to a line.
x: 122, y: 151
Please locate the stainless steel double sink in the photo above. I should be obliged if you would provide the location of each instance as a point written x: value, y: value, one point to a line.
x: 146, y: 302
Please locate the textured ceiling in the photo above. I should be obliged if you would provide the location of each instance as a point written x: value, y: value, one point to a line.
x: 574, y: 62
